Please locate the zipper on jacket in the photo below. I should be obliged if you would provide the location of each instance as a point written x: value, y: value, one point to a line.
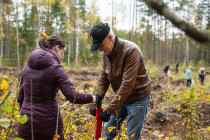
x: 110, y: 57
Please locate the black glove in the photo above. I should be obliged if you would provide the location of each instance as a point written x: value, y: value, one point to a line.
x: 92, y: 109
x: 105, y: 116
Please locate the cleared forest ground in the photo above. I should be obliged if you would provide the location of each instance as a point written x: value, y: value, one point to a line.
x: 175, y: 111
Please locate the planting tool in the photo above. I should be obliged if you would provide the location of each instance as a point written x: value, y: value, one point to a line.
x: 98, y: 123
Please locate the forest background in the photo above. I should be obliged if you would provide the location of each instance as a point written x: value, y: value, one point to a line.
x: 161, y: 42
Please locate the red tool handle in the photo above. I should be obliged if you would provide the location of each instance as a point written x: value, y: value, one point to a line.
x: 98, y: 124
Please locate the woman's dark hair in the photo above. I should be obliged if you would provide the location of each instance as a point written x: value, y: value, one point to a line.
x: 53, y: 41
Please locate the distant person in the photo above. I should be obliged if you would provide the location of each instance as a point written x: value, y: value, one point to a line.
x: 41, y: 79
x: 167, y: 70
x: 202, y: 75
x: 189, y: 76
x: 177, y: 67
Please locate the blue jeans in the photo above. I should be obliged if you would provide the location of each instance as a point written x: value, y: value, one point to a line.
x: 136, y: 113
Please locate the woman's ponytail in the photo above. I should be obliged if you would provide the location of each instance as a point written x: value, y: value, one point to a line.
x: 43, y: 43
x: 50, y: 42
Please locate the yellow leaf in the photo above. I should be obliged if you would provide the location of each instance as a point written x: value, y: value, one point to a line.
x: 177, y: 123
x: 4, y: 85
x: 92, y: 126
x: 9, y: 79
x: 116, y: 138
x: 56, y: 137
x: 167, y: 138
x: 111, y: 128
x: 84, y: 36
x: 132, y: 135
x: 74, y: 127
x: 160, y: 138
x: 123, y: 135
x: 68, y: 25
x: 119, y: 97
x: 119, y: 119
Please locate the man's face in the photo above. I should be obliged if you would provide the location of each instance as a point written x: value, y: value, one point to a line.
x: 106, y: 45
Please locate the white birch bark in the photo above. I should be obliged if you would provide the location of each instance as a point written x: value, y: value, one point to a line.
x: 187, y: 43
x: 39, y: 25
x: 187, y: 51
x: 17, y: 32
x: 77, y: 45
x: 69, y: 53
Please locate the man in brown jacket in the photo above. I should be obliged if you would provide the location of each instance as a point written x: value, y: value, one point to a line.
x: 124, y: 69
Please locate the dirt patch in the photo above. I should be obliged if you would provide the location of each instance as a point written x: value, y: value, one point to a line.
x: 14, y: 72
x: 162, y: 120
x: 86, y: 86
x: 178, y: 82
x: 156, y: 87
x: 84, y: 72
x: 84, y: 78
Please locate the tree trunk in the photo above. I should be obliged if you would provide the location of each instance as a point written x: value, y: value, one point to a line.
x: 115, y: 17
x: 112, y: 14
x: 84, y: 55
x: 77, y: 45
x: 69, y: 53
x: 17, y: 32
x: 2, y: 41
x: 207, y: 56
x: 130, y: 21
x: 4, y: 32
x: 172, y: 55
x: 8, y: 35
x: 164, y: 50
x: 136, y: 24
x: 154, y: 40
x: 187, y: 52
x: 147, y: 45
x: 160, y: 42
x: 132, y: 28
x: 39, y: 25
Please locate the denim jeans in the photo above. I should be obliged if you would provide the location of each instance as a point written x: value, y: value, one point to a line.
x: 136, y: 113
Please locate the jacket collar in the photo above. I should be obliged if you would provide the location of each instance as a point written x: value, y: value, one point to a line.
x: 116, y: 48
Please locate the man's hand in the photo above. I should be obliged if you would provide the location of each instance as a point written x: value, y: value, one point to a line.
x: 105, y: 116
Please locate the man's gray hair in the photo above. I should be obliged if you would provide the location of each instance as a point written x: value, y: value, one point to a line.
x: 111, y: 33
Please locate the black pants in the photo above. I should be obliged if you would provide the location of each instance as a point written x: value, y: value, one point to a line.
x: 202, y: 79
x: 189, y: 82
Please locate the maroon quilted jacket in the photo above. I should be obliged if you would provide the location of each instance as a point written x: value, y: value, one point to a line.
x: 42, y: 77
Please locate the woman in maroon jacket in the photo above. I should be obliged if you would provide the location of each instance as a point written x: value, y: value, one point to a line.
x: 41, y: 79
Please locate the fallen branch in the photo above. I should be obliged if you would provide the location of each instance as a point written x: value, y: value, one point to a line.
x: 191, y: 31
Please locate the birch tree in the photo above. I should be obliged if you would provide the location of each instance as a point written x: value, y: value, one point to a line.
x: 17, y: 32
x: 2, y: 34
x: 77, y: 45
x: 39, y: 23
